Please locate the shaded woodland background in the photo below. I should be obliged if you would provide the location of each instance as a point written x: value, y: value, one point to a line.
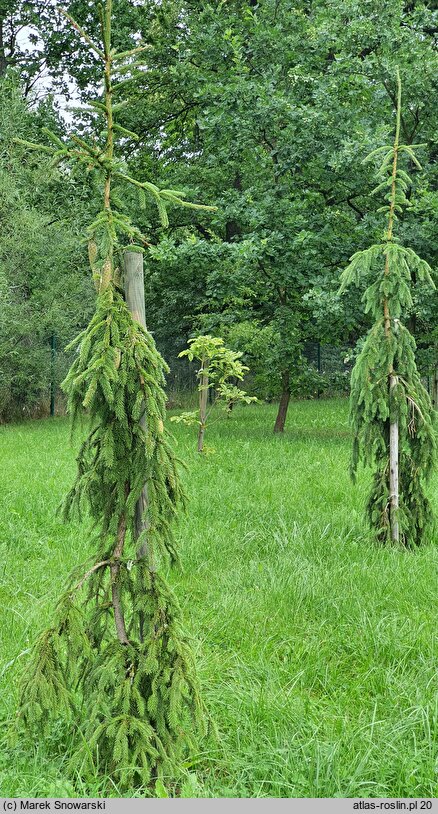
x: 265, y: 110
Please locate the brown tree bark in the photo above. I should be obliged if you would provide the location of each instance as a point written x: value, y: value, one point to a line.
x: 232, y: 227
x: 435, y: 389
x: 3, y: 58
x: 284, y: 402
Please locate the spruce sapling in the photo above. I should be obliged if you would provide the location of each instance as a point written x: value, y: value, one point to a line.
x: 116, y: 659
x: 391, y: 413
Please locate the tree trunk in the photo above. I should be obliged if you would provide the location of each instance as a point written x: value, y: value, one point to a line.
x: 232, y: 227
x: 203, y: 401
x: 435, y: 388
x: 233, y: 380
x: 393, y: 472
x: 284, y: 403
x: 3, y: 58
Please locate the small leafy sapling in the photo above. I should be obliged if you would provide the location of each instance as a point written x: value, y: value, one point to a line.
x: 219, y: 365
x: 392, y: 416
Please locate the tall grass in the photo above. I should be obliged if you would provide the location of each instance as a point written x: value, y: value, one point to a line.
x: 317, y: 649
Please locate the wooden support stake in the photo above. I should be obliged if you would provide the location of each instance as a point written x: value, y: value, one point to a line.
x: 134, y: 286
x: 134, y: 293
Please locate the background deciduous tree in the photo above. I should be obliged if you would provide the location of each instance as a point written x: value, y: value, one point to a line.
x: 45, y: 289
x: 265, y: 107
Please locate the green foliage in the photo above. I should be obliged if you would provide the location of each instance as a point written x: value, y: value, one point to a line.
x: 189, y: 418
x: 219, y: 364
x: 277, y: 106
x: 139, y: 702
x: 272, y: 133
x: 136, y: 683
x: 386, y: 388
x: 44, y: 289
x: 118, y: 377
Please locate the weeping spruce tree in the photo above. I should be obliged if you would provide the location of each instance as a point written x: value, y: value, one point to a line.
x: 392, y: 416
x: 116, y: 658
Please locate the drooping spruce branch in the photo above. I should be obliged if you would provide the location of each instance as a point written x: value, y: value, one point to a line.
x: 117, y: 651
x: 392, y: 417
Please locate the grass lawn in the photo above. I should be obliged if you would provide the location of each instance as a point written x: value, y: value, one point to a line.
x: 317, y: 649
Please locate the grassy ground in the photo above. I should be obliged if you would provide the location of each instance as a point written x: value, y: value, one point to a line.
x: 317, y: 649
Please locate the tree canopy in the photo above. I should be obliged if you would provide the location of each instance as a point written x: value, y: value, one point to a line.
x: 264, y: 110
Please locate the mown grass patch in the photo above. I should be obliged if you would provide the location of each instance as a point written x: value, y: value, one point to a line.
x: 317, y: 649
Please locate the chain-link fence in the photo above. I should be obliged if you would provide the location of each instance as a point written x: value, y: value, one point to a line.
x: 30, y: 386
x: 30, y: 376
x: 333, y: 364
x: 326, y: 372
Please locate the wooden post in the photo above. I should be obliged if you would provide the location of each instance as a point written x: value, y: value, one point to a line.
x: 393, y: 470
x: 134, y: 294
x: 134, y: 286
x: 203, y: 401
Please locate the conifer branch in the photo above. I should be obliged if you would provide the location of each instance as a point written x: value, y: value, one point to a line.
x: 42, y: 148
x: 115, y: 588
x: 126, y: 54
x: 81, y: 32
x: 95, y: 567
x: 166, y: 194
